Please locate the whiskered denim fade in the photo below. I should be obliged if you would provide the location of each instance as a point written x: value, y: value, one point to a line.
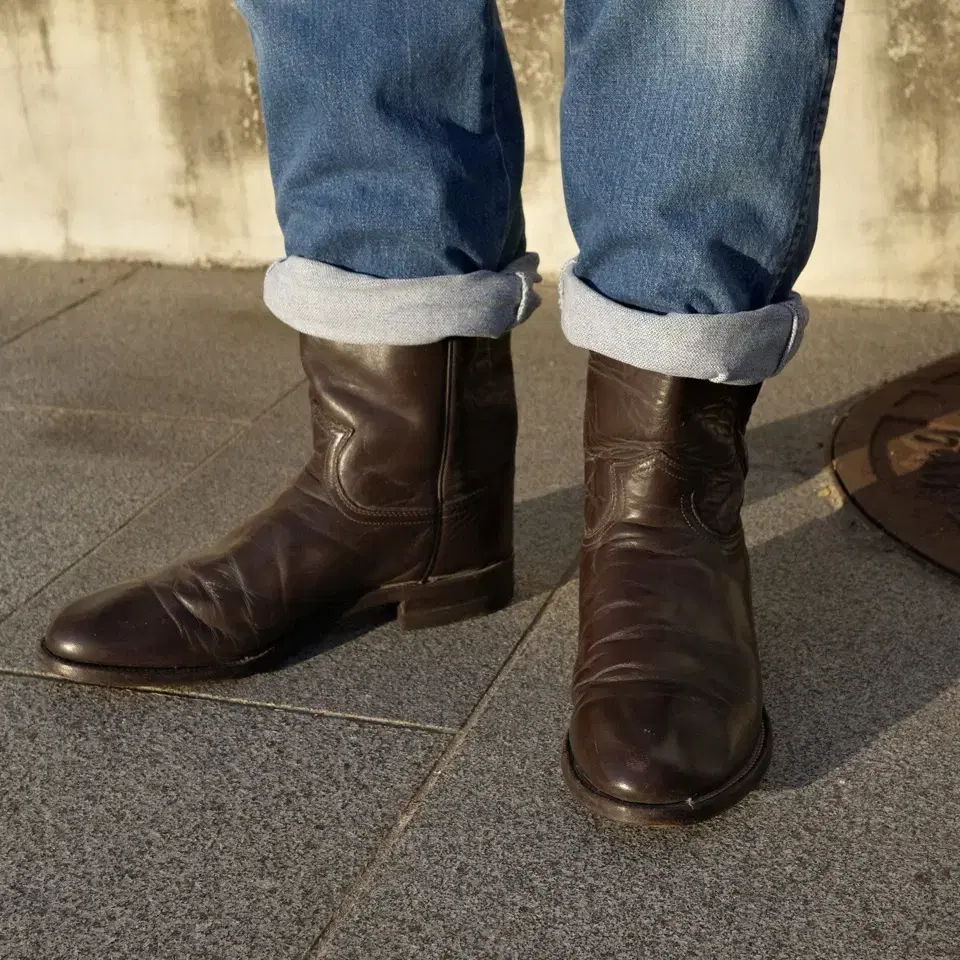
x: 690, y: 135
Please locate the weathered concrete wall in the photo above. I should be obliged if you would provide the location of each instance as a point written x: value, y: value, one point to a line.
x: 131, y: 128
x: 890, y: 222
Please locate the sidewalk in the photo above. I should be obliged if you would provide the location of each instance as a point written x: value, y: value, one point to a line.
x: 392, y: 795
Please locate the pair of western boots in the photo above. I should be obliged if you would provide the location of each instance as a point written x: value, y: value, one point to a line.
x: 407, y: 501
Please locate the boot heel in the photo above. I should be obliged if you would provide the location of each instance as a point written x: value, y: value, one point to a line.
x: 458, y: 597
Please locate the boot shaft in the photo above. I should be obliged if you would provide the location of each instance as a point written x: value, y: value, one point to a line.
x: 423, y: 432
x: 628, y: 407
x: 653, y: 441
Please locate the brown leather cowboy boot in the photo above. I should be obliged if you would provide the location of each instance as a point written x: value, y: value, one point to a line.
x: 407, y: 501
x: 668, y: 724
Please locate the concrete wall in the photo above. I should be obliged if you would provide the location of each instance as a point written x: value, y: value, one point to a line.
x: 132, y: 128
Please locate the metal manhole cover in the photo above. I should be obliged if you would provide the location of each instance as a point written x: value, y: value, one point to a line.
x: 897, y: 455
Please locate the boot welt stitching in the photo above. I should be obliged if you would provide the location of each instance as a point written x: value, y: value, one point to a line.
x: 728, y: 543
x: 592, y: 533
x: 341, y: 435
x: 414, y: 513
x: 393, y: 514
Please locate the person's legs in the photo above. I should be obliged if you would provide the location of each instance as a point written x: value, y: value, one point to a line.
x: 396, y: 147
x: 691, y: 133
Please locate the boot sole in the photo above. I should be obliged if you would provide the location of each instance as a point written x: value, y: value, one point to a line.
x: 418, y: 606
x: 683, y: 813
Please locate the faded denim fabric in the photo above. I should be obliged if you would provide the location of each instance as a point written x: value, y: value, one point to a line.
x: 406, y: 312
x: 690, y: 147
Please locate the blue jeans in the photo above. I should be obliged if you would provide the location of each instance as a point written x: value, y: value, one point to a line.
x: 690, y: 147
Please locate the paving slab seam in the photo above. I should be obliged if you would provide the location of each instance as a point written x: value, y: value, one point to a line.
x: 71, y: 306
x: 360, y: 718
x: 119, y: 414
x: 319, y: 947
x: 230, y: 441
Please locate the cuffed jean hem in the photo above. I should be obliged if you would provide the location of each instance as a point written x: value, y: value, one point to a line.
x: 733, y: 348
x: 334, y: 304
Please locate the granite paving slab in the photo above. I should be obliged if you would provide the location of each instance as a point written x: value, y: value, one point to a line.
x: 848, y: 850
x: 69, y: 479
x: 135, y: 826
x: 31, y: 291
x: 174, y: 341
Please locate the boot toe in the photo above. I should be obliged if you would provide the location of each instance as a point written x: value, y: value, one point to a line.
x: 657, y: 750
x: 123, y: 626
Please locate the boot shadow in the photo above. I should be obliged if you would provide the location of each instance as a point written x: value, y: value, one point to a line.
x: 856, y: 633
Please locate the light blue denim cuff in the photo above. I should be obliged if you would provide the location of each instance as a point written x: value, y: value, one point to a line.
x: 334, y: 304
x: 734, y: 348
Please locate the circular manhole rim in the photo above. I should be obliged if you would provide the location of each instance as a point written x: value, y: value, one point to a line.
x: 852, y: 463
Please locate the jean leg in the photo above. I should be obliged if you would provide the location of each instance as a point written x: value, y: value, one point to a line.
x: 396, y: 150
x: 690, y: 144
